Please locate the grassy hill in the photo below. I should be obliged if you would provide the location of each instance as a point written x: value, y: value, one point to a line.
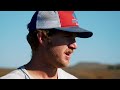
x: 87, y: 71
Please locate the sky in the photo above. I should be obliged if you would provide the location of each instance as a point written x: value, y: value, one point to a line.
x: 103, y: 47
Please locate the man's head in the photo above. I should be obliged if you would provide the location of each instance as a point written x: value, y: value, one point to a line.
x: 59, y: 20
x: 55, y: 32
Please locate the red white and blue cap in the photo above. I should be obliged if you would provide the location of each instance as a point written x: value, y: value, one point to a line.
x: 59, y: 20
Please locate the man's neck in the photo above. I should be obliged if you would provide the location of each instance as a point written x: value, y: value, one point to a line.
x: 41, y: 71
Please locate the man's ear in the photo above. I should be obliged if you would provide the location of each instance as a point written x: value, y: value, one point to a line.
x: 40, y: 37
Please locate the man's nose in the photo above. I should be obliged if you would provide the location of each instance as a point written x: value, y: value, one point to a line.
x: 73, y: 45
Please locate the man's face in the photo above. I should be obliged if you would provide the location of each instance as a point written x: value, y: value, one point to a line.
x: 60, y: 48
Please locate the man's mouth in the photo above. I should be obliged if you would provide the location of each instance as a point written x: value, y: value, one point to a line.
x: 68, y: 53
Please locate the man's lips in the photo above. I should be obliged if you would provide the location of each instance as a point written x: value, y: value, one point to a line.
x: 68, y: 53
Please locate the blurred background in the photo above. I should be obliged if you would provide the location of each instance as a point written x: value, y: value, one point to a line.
x: 97, y: 57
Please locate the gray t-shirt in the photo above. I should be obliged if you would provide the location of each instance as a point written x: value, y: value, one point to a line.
x: 21, y: 73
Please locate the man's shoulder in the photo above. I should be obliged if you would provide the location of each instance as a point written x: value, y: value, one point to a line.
x: 15, y: 74
x: 62, y: 74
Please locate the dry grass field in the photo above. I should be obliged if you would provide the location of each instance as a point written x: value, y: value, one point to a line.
x: 4, y: 71
x: 94, y: 71
x: 95, y: 74
x: 86, y: 71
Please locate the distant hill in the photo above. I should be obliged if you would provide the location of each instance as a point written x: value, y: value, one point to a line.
x: 87, y: 71
x: 90, y: 66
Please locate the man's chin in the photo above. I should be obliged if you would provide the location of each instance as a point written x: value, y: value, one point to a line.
x: 64, y: 65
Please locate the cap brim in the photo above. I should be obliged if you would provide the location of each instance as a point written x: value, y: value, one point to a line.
x: 82, y: 33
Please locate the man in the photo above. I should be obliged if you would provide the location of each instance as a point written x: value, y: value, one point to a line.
x: 52, y: 39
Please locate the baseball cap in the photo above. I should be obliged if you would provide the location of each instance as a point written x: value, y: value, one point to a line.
x: 58, y: 20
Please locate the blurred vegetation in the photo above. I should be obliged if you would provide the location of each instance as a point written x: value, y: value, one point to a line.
x: 114, y: 67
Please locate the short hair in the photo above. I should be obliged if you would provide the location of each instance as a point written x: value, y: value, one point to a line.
x: 33, y: 39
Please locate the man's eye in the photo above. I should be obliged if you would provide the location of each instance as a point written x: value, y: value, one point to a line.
x: 67, y: 36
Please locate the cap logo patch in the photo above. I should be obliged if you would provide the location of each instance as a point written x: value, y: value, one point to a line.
x: 67, y: 18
